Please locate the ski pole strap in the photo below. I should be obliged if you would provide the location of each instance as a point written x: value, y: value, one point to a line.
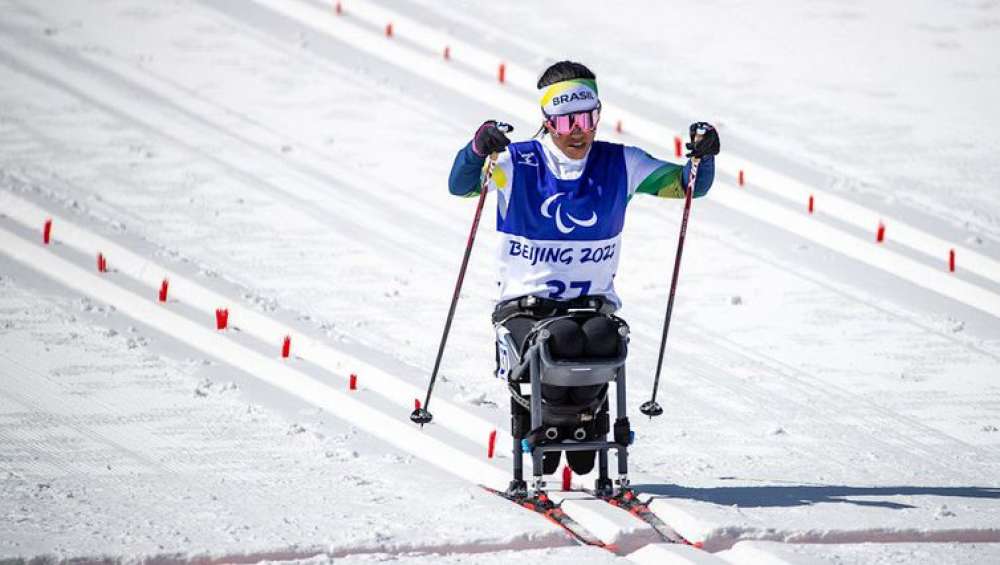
x: 693, y: 175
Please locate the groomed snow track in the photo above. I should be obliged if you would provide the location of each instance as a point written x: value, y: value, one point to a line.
x: 616, y: 528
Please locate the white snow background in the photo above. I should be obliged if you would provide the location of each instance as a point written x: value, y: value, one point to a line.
x: 828, y: 399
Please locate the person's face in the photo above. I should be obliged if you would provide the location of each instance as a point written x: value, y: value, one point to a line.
x: 574, y: 144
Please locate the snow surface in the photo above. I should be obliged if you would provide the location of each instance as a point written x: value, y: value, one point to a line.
x: 810, y: 397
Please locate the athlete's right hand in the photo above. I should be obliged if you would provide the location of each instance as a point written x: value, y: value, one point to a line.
x: 490, y: 138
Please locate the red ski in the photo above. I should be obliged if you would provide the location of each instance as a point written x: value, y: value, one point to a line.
x: 543, y: 505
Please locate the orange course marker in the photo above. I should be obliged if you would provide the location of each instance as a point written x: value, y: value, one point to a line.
x: 163, y: 290
x: 221, y: 318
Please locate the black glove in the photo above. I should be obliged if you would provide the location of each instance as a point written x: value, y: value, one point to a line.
x: 707, y: 145
x: 490, y: 138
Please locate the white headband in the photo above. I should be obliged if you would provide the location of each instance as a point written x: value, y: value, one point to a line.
x: 574, y: 95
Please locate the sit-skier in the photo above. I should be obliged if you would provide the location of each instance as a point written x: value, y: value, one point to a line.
x: 561, y: 201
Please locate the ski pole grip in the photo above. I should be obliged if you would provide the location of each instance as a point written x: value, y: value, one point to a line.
x: 698, y: 136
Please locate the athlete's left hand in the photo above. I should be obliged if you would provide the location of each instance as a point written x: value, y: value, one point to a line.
x: 707, y: 144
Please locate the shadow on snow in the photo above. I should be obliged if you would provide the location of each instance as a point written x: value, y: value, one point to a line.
x: 765, y: 496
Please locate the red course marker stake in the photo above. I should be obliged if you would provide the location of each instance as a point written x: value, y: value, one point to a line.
x: 163, y: 290
x: 677, y: 147
x: 502, y: 73
x: 47, y: 231
x: 353, y: 385
x: 447, y: 53
x: 221, y: 318
x: 811, y: 205
x: 339, y: 9
x: 567, y: 478
x: 618, y: 127
x: 102, y: 263
x: 286, y: 346
x: 492, y: 445
x: 741, y: 181
x: 951, y: 260
x: 388, y: 29
x: 880, y: 235
x: 416, y: 404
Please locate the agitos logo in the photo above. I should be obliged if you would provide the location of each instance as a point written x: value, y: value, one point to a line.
x: 546, y: 210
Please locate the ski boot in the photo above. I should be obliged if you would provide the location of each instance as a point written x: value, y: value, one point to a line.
x: 604, y: 488
x: 517, y: 490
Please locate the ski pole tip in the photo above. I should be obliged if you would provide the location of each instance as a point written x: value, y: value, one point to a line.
x: 651, y: 409
x: 421, y: 416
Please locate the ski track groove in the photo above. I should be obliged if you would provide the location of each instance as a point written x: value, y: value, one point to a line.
x: 804, y: 381
x: 125, y: 73
x: 556, y: 539
x: 37, y: 402
x: 840, y: 290
x: 70, y: 463
x: 299, y: 204
x: 860, y: 422
x: 322, y: 215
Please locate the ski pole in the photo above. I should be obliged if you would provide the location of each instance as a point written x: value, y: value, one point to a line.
x: 421, y: 415
x: 652, y: 408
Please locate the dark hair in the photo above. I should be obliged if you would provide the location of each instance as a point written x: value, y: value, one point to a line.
x: 564, y: 70
x: 558, y: 72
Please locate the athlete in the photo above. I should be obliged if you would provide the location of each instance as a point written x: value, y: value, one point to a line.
x: 561, y: 201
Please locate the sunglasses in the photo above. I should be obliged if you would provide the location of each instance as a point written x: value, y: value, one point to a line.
x: 563, y: 124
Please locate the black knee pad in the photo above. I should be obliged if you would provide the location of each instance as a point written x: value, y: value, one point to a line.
x: 567, y: 339
x: 601, y: 337
x: 556, y: 394
x: 585, y: 394
x: 520, y: 420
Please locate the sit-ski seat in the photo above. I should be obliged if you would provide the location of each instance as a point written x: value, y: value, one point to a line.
x: 568, y: 401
